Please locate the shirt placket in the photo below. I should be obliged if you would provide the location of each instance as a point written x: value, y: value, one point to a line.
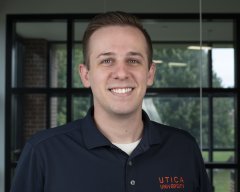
x: 131, y: 182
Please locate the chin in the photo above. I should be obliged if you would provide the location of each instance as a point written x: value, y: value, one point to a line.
x: 123, y: 111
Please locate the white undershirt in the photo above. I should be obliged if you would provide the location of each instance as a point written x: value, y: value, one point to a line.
x: 129, y: 147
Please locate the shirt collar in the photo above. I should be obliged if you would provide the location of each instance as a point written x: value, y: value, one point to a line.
x: 94, y: 138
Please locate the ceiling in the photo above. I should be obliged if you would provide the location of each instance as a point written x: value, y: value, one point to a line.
x: 173, y: 31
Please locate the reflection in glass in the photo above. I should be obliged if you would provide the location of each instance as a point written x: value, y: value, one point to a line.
x: 80, y: 106
x: 178, y: 66
x: 224, y: 180
x: 58, y: 111
x: 179, y: 112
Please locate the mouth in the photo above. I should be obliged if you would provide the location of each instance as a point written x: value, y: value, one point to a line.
x: 121, y: 90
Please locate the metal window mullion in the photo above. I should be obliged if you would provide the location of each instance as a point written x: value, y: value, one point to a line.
x: 210, y: 69
x: 211, y: 135
x: 237, y: 103
x: 69, y: 68
x: 48, y: 97
x: 8, y: 106
x: 210, y: 108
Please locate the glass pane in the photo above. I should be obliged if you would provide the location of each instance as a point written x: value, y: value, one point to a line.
x: 224, y: 156
x: 222, y: 55
x: 224, y: 180
x: 217, y: 31
x: 31, y: 51
x: 172, y: 30
x: 180, y: 112
x: 58, y: 65
x: 223, y: 122
x: 77, y: 59
x: 179, y: 66
x: 79, y: 27
x: 205, y: 155
x: 28, y: 117
x: 223, y: 66
x: 80, y: 106
x: 58, y: 111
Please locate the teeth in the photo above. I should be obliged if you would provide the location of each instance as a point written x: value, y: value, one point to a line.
x: 124, y: 90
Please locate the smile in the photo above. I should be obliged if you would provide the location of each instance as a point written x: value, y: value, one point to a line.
x: 121, y: 90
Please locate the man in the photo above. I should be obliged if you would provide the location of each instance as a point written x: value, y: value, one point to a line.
x: 115, y: 148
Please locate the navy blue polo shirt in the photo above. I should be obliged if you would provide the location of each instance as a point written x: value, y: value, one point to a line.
x: 76, y: 157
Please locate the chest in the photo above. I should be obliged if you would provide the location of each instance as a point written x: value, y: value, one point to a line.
x: 108, y: 170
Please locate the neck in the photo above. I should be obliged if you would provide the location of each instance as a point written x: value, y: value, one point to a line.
x: 120, y: 128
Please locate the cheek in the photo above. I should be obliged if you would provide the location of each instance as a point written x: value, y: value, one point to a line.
x: 96, y: 79
x: 144, y: 77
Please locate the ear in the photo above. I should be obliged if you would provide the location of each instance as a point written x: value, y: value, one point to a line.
x: 84, y: 75
x: 151, y: 74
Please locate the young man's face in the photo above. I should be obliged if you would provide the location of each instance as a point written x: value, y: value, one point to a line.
x: 118, y: 71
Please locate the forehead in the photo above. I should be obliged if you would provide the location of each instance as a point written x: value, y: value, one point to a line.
x: 117, y: 37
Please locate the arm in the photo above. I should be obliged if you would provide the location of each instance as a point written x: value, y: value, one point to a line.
x: 28, y: 176
x: 204, y: 184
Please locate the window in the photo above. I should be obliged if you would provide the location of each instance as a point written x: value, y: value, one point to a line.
x: 195, y: 89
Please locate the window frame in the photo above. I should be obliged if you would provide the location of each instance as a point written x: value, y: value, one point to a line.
x: 69, y: 91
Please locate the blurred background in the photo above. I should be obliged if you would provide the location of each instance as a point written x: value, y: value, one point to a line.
x: 197, y: 86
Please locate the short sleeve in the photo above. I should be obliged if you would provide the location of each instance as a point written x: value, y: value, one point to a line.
x: 28, y: 176
x: 204, y: 184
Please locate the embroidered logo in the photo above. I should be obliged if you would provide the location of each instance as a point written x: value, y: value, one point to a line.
x: 170, y: 182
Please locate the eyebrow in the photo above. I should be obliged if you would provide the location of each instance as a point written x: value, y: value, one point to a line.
x: 131, y: 53
x: 105, y: 54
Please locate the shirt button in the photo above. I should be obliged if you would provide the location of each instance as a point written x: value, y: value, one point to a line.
x: 130, y: 163
x: 132, y: 182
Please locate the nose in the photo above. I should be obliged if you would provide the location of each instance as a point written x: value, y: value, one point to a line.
x: 121, y: 71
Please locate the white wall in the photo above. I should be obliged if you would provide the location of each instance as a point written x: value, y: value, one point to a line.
x: 92, y: 6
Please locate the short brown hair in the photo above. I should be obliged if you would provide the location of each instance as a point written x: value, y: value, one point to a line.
x: 116, y: 18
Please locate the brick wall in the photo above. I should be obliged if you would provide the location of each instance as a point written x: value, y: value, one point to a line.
x: 35, y: 63
x: 34, y: 114
x: 34, y: 75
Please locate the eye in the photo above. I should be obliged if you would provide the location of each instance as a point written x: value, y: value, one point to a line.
x: 133, y: 61
x: 106, y: 61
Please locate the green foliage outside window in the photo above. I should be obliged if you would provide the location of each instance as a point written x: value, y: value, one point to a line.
x: 185, y: 112
x: 181, y: 112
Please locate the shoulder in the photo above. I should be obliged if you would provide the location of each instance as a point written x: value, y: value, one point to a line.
x: 51, y: 133
x: 167, y: 133
x: 175, y: 140
x: 160, y: 132
x: 170, y: 129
